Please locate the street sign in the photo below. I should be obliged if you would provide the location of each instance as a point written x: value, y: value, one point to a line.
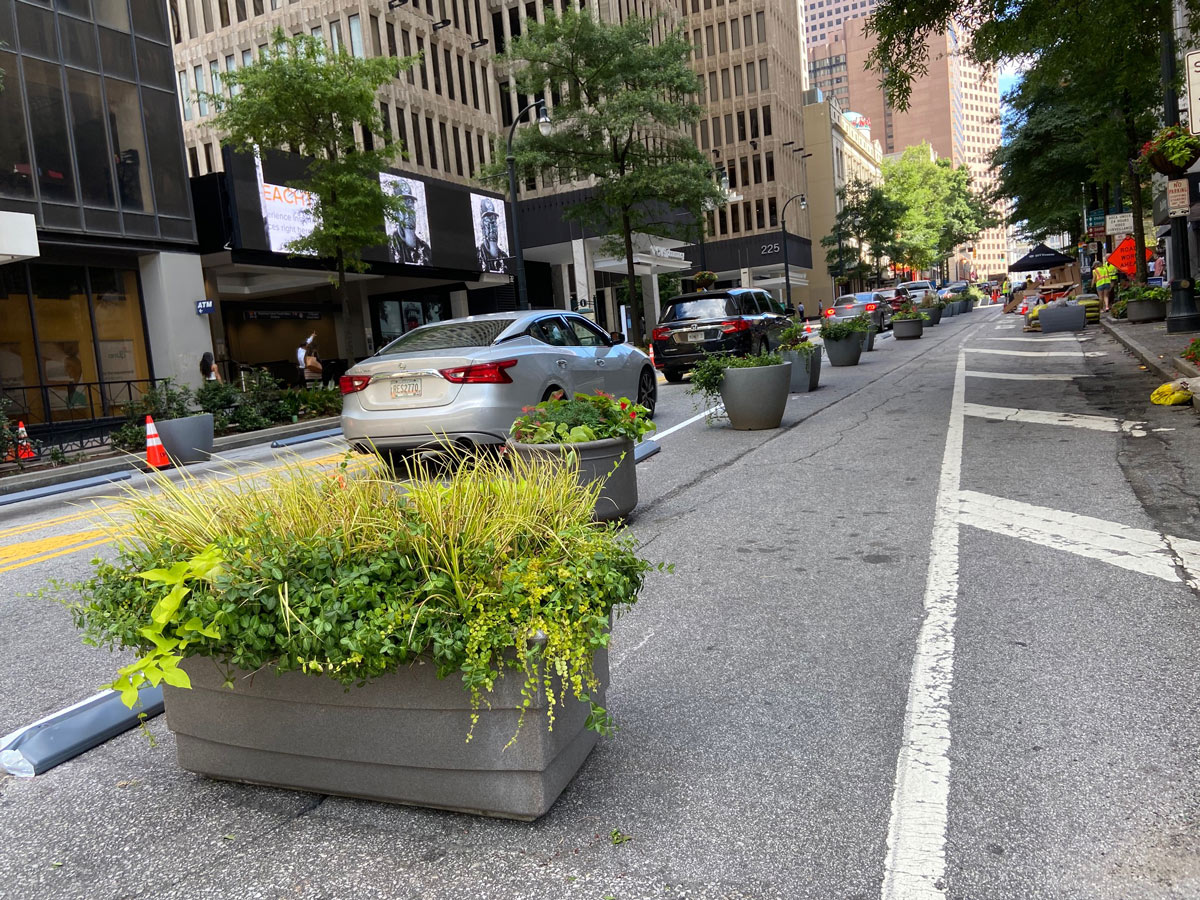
x: 1125, y: 257
x: 1177, y: 197
x: 1156, y: 281
x: 1096, y: 232
x: 1193, y: 91
x: 204, y: 307
x: 1095, y: 217
x: 1119, y: 223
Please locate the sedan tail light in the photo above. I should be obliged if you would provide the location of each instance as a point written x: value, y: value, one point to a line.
x: 871, y: 307
x: 831, y: 312
x: 352, y: 384
x: 480, y: 373
x: 733, y: 326
x: 661, y: 334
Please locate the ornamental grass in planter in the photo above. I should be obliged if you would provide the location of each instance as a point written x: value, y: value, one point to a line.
x: 753, y: 390
x: 441, y: 643
x: 596, y: 435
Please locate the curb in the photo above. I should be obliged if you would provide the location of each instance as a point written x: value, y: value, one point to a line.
x: 85, y: 471
x: 1167, y: 368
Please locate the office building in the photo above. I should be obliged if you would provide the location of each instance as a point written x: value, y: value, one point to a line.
x: 98, y: 277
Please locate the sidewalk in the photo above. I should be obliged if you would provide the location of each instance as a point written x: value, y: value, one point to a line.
x: 107, y: 465
x: 1159, y: 351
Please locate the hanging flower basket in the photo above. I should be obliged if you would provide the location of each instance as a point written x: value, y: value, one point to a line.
x: 705, y: 280
x: 1172, y: 151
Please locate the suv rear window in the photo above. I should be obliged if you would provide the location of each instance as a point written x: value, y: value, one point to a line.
x: 699, y: 308
x: 449, y: 335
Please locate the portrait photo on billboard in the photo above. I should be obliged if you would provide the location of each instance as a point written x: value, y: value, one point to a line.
x: 408, y: 235
x: 491, y: 233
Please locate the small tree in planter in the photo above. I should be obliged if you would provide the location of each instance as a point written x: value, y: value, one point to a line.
x: 303, y: 622
x: 844, y: 340
x: 908, y: 323
x: 805, y: 357
x: 597, y: 434
x: 752, y: 389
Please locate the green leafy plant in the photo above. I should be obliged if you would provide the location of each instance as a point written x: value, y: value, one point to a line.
x: 496, y: 569
x: 587, y: 417
x: 219, y: 399
x: 1119, y: 309
x: 1139, y: 291
x: 840, y: 331
x: 795, y: 338
x: 975, y: 295
x: 907, y: 313
x: 1174, y: 143
x: 709, y: 372
x: 1192, y: 353
x: 705, y: 279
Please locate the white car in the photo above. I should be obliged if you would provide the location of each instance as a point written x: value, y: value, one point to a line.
x: 916, y: 289
x: 466, y: 380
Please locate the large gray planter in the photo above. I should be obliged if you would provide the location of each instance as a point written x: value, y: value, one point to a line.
x: 610, y: 459
x: 907, y: 329
x: 399, y: 739
x: 189, y: 439
x: 806, y: 369
x: 1062, y: 318
x: 1145, y: 311
x: 868, y: 339
x: 756, y: 397
x: 845, y: 352
x: 934, y: 313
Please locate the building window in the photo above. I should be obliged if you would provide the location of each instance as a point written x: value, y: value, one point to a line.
x: 741, y: 123
x: 724, y: 84
x: 462, y: 81
x: 716, y: 131
x: 772, y: 213
x: 744, y: 163
x: 432, y: 141
x: 193, y: 162
x: 766, y: 121
x: 458, y: 166
x: 722, y: 39
x: 437, y: 71
x: 759, y: 215
x: 731, y: 173
x: 712, y: 87
x: 474, y: 86
x: 756, y: 165
x: 470, y: 146
x: 209, y: 163
x: 423, y: 63
x: 201, y: 100
x: 487, y: 90
x: 735, y: 37
x: 737, y: 81
x: 704, y: 135
x: 729, y: 128
x: 336, y: 44
x: 445, y: 146
x: 376, y: 39
x: 214, y: 71
x: 747, y: 30
x: 735, y: 225
x: 185, y: 97
x: 449, y: 74
x: 708, y: 38
x: 385, y: 116
x: 769, y: 163
x: 764, y: 82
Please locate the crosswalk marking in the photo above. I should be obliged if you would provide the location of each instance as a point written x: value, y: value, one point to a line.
x: 1062, y: 354
x: 1015, y: 376
x: 1040, y: 340
x: 1048, y: 417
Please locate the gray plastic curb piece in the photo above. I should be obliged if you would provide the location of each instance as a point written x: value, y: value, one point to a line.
x: 645, y: 450
x: 40, y: 747
x: 51, y: 489
x: 305, y: 438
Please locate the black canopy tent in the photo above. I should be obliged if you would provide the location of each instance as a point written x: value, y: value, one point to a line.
x: 1041, y: 257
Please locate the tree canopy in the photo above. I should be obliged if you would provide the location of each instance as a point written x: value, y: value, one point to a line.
x: 300, y: 97
x: 864, y: 231
x: 623, y: 109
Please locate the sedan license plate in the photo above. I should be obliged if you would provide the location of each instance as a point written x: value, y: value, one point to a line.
x: 694, y: 337
x: 406, y: 387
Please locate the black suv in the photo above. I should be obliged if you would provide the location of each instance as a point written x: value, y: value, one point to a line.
x: 731, y: 322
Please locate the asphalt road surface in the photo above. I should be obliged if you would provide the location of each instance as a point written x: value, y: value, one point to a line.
x: 935, y: 637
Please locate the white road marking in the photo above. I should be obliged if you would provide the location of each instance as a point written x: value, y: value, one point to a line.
x: 1047, y: 417
x: 1135, y: 549
x: 658, y: 436
x: 1040, y: 340
x: 1067, y: 354
x: 916, y: 857
x: 1013, y: 376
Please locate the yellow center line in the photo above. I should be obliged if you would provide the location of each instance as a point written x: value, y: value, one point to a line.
x: 46, y: 556
x: 29, y: 549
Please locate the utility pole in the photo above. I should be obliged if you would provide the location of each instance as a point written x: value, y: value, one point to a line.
x: 1182, y: 315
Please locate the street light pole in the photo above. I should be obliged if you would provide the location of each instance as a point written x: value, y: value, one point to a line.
x: 544, y: 125
x: 787, y: 273
x: 1182, y: 316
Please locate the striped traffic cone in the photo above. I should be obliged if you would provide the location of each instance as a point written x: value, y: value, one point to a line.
x: 156, y: 453
x: 24, y: 447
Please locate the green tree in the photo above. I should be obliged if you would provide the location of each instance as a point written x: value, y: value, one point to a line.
x: 622, y: 123
x: 301, y: 98
x: 845, y: 246
x: 914, y: 182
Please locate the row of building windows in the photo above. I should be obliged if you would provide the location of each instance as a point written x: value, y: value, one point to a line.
x: 695, y: 5
x: 722, y: 38
x: 737, y: 81
x: 750, y: 124
x: 735, y: 218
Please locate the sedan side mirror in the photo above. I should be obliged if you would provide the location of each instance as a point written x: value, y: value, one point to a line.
x: 617, y: 337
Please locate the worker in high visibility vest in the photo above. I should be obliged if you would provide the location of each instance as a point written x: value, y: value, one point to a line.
x: 1105, y: 278
x: 1006, y: 289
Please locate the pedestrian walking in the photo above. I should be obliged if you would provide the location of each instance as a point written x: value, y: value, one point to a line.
x: 208, y: 368
x: 313, y: 370
x: 1160, y: 266
x: 1105, y: 277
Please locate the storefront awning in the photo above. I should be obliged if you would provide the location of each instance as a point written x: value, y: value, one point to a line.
x: 18, y: 237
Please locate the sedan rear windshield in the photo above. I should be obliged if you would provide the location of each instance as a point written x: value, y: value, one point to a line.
x: 449, y: 335
x: 699, y: 308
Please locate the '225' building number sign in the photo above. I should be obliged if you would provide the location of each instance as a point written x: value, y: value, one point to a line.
x: 768, y: 249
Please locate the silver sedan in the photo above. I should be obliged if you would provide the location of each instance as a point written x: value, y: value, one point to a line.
x: 873, y: 304
x: 466, y: 380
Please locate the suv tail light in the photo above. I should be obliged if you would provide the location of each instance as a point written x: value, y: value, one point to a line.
x: 831, y: 312
x: 871, y: 307
x: 352, y: 384
x: 480, y: 373
x: 660, y: 334
x: 733, y: 326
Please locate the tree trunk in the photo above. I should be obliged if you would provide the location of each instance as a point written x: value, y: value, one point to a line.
x: 1139, y: 226
x: 341, y: 281
x: 633, y: 298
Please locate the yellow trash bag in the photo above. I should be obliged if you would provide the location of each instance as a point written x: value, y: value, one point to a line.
x: 1173, y: 393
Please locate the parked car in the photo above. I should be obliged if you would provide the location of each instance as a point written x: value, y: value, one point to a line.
x: 466, y: 380
x: 916, y: 289
x: 950, y: 291
x: 875, y: 304
x: 730, y: 322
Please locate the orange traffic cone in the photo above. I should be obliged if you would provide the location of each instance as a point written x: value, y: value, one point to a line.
x: 156, y: 453
x: 652, y: 356
x: 24, y: 447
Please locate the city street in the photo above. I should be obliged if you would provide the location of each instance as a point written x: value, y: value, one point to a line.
x: 934, y: 637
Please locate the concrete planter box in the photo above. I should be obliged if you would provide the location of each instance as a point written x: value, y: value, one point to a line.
x: 610, y: 459
x: 1145, y: 311
x: 189, y: 439
x: 907, y: 329
x: 935, y: 314
x: 398, y: 739
x: 845, y: 352
x: 755, y: 398
x: 1062, y: 318
x: 806, y: 369
x: 868, y: 339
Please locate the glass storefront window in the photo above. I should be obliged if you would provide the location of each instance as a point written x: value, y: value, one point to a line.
x: 16, y: 170
x: 18, y: 363
x: 51, y: 146
x: 87, y: 124
x: 60, y: 304
x: 129, y: 145
x: 119, y: 335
